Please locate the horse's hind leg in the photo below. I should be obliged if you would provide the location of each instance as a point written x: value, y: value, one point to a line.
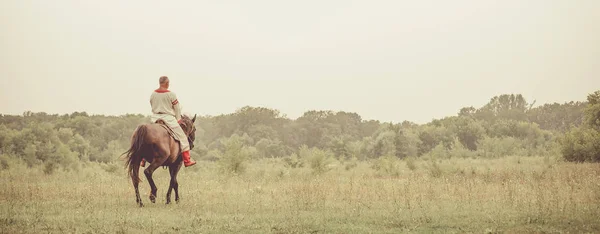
x: 136, y: 182
x: 148, y: 172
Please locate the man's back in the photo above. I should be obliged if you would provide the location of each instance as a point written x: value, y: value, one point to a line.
x: 164, y: 102
x: 166, y: 107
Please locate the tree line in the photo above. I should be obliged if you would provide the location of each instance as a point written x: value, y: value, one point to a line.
x: 506, y: 125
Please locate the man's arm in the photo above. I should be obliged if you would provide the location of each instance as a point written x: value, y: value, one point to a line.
x: 176, y: 107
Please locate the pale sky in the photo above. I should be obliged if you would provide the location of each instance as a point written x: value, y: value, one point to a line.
x: 386, y: 60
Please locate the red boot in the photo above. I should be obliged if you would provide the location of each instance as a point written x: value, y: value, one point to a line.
x: 186, y: 159
x: 143, y: 163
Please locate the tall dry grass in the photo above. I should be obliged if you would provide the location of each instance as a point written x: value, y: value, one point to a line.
x: 513, y: 194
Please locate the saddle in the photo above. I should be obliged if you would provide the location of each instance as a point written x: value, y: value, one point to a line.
x: 163, y: 124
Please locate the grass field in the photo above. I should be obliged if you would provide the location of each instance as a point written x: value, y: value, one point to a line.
x: 513, y: 194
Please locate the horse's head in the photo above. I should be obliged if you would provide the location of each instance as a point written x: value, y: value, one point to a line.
x: 189, y: 128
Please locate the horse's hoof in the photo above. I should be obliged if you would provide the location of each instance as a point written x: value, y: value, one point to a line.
x: 141, y: 205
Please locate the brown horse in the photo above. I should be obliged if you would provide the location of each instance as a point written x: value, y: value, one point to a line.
x: 154, y: 143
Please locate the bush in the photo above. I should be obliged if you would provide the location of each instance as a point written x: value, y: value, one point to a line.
x: 351, y: 163
x: 4, y: 165
x: 495, y: 147
x: 50, y: 167
x: 434, y: 169
x: 410, y: 163
x: 387, y: 165
x: 236, y: 156
x: 439, y: 152
x: 293, y: 161
x: 458, y: 150
x: 319, y: 160
x: 212, y: 155
x: 581, y: 144
x: 110, y: 167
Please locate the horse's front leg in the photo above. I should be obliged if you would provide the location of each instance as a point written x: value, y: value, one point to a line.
x: 176, y: 188
x: 169, y: 193
x: 170, y: 186
x: 174, y: 180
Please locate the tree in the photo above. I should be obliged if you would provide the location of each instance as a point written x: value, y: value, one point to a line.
x: 385, y: 139
x: 592, y: 111
x: 467, y: 111
x: 432, y: 135
x: 505, y: 106
x: 558, y: 117
x: 261, y: 131
x: 80, y: 146
x: 6, y: 139
x: 582, y: 144
x: 269, y: 148
x: 468, y: 130
x: 339, y: 147
x: 356, y: 150
x: 368, y: 128
x: 313, y: 128
x: 248, y: 116
x: 405, y: 142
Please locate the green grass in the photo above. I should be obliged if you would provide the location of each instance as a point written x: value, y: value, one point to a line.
x: 513, y: 194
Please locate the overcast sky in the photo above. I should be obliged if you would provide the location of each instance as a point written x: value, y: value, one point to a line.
x: 386, y: 60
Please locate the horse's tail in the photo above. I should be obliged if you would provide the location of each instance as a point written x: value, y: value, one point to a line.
x: 133, y: 157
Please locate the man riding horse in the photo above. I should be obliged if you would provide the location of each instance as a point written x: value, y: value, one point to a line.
x: 166, y: 107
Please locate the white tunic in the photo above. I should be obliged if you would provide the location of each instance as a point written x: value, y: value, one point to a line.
x: 165, y: 106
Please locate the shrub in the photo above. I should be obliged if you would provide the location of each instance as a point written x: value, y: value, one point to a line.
x: 212, y: 155
x: 434, y: 169
x: 458, y: 150
x: 50, y: 167
x: 110, y: 167
x: 351, y: 163
x: 581, y: 144
x: 293, y: 161
x: 387, y: 165
x: 319, y: 160
x: 495, y: 147
x: 438, y: 152
x: 236, y: 156
x: 410, y: 163
x: 4, y: 165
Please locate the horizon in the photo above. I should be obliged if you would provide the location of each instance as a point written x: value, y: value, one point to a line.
x: 390, y: 61
x: 284, y: 115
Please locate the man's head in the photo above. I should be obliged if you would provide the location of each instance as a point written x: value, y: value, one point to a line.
x: 164, y: 82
